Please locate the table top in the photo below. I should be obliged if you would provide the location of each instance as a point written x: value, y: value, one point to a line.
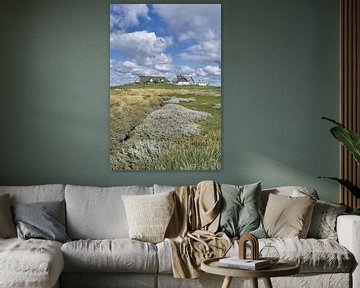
x: 281, y: 268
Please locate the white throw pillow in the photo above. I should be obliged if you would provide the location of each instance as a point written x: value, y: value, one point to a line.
x: 149, y: 215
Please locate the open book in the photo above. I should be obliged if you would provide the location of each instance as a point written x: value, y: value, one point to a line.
x: 236, y: 262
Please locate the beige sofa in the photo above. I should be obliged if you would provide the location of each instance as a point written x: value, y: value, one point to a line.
x: 101, y: 254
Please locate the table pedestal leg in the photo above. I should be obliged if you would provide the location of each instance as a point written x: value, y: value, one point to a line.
x: 254, y: 282
x: 227, y: 282
x: 267, y: 283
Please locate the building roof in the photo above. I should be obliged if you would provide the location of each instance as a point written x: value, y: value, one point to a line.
x: 181, y: 78
x: 146, y: 79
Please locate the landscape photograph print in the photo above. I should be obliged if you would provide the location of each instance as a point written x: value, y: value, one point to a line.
x: 165, y: 87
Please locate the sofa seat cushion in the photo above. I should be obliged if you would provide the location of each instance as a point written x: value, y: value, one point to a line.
x: 164, y: 257
x: 30, y: 263
x: 110, y: 255
x: 313, y: 255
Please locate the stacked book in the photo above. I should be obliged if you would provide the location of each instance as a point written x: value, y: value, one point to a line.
x: 248, y: 264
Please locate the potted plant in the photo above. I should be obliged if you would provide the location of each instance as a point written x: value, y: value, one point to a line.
x: 351, y: 141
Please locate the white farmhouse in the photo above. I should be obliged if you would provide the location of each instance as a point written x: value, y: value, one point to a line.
x: 201, y: 83
x: 181, y: 80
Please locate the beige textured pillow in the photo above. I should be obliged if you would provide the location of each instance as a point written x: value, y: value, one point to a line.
x: 323, y: 222
x: 149, y: 215
x: 7, y: 226
x: 288, y: 217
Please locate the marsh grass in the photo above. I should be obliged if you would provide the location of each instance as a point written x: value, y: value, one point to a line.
x: 199, y: 153
x: 128, y: 108
x: 165, y: 127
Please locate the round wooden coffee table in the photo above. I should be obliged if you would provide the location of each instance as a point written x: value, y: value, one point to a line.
x: 281, y: 268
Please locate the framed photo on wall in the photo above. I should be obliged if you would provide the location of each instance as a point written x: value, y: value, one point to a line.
x: 165, y: 86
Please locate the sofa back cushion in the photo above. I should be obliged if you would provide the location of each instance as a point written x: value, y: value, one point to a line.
x: 291, y: 191
x: 98, y: 212
x: 163, y: 188
x: 36, y: 193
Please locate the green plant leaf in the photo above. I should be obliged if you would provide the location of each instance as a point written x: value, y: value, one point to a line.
x: 355, y: 211
x: 347, y: 184
x: 348, y: 138
x: 333, y: 121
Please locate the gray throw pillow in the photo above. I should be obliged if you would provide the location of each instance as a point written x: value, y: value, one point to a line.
x: 7, y: 226
x: 323, y: 222
x: 44, y: 220
x: 240, y: 213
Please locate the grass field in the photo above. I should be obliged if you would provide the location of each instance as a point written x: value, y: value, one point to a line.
x: 165, y: 127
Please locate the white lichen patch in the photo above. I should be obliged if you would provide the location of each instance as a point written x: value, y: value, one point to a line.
x: 141, y: 149
x: 169, y: 122
x: 177, y: 100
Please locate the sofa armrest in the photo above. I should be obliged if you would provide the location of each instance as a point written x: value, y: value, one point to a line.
x: 348, y: 230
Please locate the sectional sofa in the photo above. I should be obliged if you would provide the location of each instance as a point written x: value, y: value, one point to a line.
x: 100, y: 253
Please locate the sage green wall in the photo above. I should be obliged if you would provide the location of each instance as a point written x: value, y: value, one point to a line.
x: 280, y: 75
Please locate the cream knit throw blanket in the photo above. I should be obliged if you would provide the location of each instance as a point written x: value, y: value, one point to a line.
x: 191, y: 231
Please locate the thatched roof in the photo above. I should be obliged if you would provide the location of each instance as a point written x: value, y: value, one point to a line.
x: 181, y: 78
x: 151, y: 79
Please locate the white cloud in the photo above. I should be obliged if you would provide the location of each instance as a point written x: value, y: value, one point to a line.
x: 212, y: 70
x: 163, y: 67
x: 205, y: 51
x: 161, y: 62
x: 123, y: 16
x: 192, y: 21
x: 200, y: 72
x: 139, y: 44
x: 186, y: 70
x: 161, y: 58
x: 199, y: 22
x: 126, y: 67
x: 208, y: 71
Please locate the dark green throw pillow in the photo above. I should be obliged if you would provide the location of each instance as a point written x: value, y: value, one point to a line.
x: 240, y: 210
x: 43, y: 220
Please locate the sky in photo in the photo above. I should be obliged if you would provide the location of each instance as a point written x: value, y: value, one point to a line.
x: 165, y: 40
